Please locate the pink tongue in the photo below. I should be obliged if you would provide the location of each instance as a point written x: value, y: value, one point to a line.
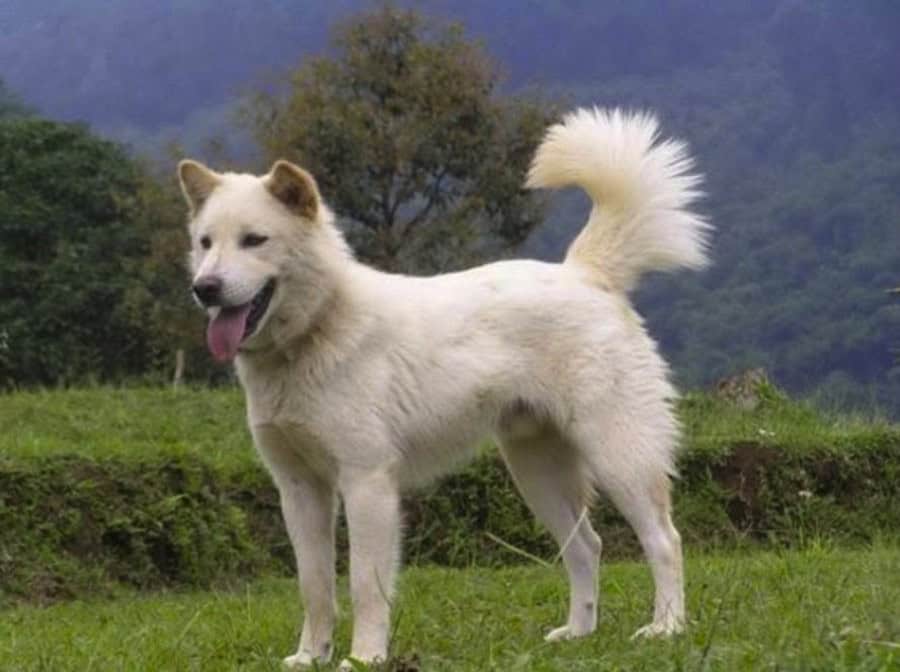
x: 225, y: 331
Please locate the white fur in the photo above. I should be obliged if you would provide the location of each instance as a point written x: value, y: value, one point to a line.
x: 360, y: 383
x: 641, y: 190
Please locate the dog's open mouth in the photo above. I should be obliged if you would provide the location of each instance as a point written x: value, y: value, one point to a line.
x: 233, y: 324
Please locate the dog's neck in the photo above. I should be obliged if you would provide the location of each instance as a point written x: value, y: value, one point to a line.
x: 329, y: 333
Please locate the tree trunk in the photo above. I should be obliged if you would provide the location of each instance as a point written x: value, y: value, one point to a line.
x: 179, y: 368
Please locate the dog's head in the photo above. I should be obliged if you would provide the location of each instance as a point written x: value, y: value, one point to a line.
x: 258, y: 244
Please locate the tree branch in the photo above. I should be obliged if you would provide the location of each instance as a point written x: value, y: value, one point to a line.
x: 433, y: 197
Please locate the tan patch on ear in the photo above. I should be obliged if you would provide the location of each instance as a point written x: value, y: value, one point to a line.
x: 295, y: 188
x: 197, y: 183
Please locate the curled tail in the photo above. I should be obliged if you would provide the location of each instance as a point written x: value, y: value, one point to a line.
x: 641, y: 188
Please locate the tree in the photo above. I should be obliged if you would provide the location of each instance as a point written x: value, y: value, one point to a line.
x: 409, y: 140
x: 67, y: 236
x: 158, y: 300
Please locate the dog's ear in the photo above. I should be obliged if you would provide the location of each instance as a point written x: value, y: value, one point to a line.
x: 295, y: 188
x: 197, y: 183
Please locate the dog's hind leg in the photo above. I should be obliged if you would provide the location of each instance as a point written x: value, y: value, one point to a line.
x: 649, y: 513
x: 548, y: 473
x: 631, y: 465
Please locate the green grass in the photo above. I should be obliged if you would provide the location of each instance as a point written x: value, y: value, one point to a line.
x: 711, y: 424
x: 107, y: 422
x: 127, y: 423
x: 816, y: 609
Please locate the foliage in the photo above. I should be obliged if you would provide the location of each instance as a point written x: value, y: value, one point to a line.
x: 92, y: 524
x: 158, y: 301
x: 67, y: 239
x: 153, y: 488
x: 800, y: 259
x: 408, y: 139
x: 92, y: 245
x: 818, y: 609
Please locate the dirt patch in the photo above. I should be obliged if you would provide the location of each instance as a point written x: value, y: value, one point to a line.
x: 742, y: 475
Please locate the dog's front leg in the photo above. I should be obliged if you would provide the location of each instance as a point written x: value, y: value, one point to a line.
x: 309, y: 508
x: 372, y: 505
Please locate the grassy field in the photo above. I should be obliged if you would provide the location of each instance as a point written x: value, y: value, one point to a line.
x: 130, y: 422
x: 816, y: 609
x: 127, y: 423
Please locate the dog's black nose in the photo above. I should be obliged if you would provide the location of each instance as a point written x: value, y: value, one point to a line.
x: 208, y: 290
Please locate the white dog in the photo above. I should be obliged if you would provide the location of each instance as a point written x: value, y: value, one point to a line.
x: 361, y: 383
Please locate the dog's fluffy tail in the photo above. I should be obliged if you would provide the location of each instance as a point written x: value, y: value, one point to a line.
x: 641, y: 187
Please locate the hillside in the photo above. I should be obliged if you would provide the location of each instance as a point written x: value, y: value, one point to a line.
x: 791, y: 107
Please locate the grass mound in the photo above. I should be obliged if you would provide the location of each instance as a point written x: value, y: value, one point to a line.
x: 151, y: 488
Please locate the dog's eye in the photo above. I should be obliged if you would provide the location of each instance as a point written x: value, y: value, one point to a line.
x: 205, y: 242
x: 253, y: 240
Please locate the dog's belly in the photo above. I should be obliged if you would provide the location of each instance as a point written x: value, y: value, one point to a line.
x: 429, y: 455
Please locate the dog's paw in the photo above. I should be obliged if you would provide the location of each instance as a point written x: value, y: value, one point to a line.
x: 559, y: 634
x: 298, y: 661
x: 666, y: 628
x: 353, y: 664
x: 303, y: 660
x: 565, y: 632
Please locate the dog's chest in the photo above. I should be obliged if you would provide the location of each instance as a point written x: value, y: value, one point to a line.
x: 292, y: 449
x: 418, y: 417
